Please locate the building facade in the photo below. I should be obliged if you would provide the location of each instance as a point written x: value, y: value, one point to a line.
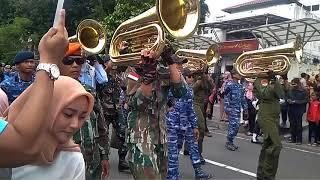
x: 263, y: 12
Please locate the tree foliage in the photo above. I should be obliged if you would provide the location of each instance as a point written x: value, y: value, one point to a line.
x: 30, y: 19
x: 204, y: 11
x: 13, y: 37
x: 123, y: 11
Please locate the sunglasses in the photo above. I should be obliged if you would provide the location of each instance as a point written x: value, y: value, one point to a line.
x: 70, y: 60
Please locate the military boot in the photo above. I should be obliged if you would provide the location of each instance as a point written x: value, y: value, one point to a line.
x: 230, y: 146
x: 123, y: 164
x: 202, y: 160
x: 200, y: 174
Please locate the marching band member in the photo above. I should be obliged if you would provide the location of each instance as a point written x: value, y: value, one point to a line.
x: 146, y: 120
x: 269, y: 91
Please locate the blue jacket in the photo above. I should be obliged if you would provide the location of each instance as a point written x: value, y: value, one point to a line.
x: 234, y: 97
x: 13, y: 86
x: 90, y: 75
x: 182, y: 114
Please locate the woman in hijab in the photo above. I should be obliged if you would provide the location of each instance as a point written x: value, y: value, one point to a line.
x: 21, y: 138
x: 252, y: 111
x: 4, y: 104
x: 60, y: 157
x: 226, y: 77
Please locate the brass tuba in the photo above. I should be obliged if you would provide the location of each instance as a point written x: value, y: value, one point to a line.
x: 257, y: 63
x: 180, y: 18
x: 91, y: 35
x: 198, y: 60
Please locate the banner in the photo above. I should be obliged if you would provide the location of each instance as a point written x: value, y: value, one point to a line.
x: 238, y: 47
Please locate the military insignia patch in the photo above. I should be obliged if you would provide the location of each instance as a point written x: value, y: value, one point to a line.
x: 264, y: 82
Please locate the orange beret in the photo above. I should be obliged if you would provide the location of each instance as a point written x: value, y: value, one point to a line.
x: 74, y: 49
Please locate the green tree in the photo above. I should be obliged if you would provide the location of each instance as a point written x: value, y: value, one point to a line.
x: 123, y: 11
x: 13, y: 37
x: 205, y: 12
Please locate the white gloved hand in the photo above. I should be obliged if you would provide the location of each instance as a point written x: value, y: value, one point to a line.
x: 281, y: 101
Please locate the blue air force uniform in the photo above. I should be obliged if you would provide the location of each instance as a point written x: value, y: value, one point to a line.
x: 181, y: 120
x: 234, y: 100
x: 13, y: 86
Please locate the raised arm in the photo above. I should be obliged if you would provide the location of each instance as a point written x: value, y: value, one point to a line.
x: 21, y: 140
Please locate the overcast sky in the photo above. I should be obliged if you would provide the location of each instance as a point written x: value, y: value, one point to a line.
x: 215, y: 6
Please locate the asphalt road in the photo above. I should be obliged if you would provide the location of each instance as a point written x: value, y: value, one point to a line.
x: 296, y: 162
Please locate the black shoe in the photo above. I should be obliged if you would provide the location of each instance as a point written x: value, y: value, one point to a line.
x: 123, y: 166
x: 208, y: 134
x: 202, y: 160
x: 230, y: 146
x: 186, y: 153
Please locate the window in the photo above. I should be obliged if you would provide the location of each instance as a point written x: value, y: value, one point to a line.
x: 308, y: 8
x: 315, y: 7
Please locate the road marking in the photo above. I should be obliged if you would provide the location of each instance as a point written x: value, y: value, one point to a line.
x: 285, y: 147
x: 229, y: 167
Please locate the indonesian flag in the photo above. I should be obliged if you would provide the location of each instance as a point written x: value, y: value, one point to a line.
x: 134, y: 76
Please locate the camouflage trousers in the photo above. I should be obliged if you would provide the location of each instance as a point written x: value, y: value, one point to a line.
x: 119, y: 124
x: 234, y: 123
x: 91, y: 155
x: 176, y: 138
x: 147, y: 161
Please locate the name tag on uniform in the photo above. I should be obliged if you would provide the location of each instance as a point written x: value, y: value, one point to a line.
x: 3, y: 125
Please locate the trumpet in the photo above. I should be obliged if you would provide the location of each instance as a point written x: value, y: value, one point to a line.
x: 91, y: 35
x: 199, y: 60
x: 258, y: 63
x: 179, y: 18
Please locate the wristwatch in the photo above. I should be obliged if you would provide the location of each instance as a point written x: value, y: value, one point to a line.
x: 51, y: 69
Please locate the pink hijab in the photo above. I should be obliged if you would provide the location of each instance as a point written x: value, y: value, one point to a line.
x: 249, y: 91
x: 4, y: 104
x: 66, y: 90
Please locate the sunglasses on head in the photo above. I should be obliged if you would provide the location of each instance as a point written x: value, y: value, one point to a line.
x: 70, y: 60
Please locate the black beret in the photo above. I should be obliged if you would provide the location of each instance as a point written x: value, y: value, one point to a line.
x: 23, y: 56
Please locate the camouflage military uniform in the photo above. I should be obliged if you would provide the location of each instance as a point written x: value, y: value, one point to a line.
x: 147, y: 132
x: 93, y: 139
x: 181, y: 121
x: 13, y: 86
x: 110, y: 101
x: 234, y: 100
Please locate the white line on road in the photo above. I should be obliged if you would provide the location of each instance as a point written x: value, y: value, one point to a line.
x: 285, y: 147
x: 230, y: 167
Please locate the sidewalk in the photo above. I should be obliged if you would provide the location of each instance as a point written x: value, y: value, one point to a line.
x: 216, y: 125
x: 215, y: 122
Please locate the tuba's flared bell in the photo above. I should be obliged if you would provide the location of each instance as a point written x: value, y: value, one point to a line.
x: 179, y: 18
x: 91, y: 35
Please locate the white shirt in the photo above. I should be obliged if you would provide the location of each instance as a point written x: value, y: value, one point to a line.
x: 67, y: 166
